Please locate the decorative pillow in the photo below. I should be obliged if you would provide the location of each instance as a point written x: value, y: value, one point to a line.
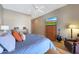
x: 17, y: 36
x: 23, y: 37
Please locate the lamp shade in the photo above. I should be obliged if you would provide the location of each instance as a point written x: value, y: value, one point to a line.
x: 73, y: 26
x: 4, y: 27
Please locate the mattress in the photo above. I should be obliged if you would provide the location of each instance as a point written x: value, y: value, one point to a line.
x: 34, y: 44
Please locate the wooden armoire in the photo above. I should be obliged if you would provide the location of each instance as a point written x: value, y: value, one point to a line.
x: 51, y: 32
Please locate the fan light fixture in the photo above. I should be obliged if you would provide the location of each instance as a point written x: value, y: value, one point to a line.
x: 38, y: 8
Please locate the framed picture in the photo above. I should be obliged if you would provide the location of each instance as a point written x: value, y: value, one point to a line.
x: 51, y: 21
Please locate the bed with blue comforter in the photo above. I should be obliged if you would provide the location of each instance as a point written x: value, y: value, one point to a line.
x: 34, y: 44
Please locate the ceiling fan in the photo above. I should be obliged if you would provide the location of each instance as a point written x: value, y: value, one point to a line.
x: 38, y: 8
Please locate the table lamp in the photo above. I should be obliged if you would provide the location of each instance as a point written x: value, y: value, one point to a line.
x: 72, y: 27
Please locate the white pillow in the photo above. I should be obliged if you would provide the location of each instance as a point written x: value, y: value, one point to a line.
x: 1, y: 49
x: 24, y: 37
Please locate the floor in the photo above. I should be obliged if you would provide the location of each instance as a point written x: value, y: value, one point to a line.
x: 60, y: 45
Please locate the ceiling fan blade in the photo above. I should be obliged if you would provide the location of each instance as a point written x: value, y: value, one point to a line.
x: 40, y: 10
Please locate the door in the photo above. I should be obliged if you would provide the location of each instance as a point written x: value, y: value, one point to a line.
x: 51, y: 32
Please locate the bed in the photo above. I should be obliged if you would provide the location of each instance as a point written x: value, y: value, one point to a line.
x: 34, y: 44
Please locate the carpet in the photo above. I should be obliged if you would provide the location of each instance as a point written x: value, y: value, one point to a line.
x: 60, y: 47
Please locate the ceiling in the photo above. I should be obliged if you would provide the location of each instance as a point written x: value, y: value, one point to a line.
x: 35, y: 10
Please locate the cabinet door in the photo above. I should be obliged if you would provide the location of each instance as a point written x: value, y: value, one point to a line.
x: 51, y: 32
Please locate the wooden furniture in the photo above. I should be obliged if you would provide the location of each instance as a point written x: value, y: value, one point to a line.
x: 51, y: 32
x: 72, y: 45
x: 39, y: 27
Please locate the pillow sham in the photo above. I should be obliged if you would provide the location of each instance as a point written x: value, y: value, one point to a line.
x: 17, y: 36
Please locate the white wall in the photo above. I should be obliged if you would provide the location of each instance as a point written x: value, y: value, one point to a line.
x: 1, y: 14
x: 15, y: 19
x: 65, y: 16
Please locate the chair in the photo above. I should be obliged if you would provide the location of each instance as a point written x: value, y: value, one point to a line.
x: 72, y: 46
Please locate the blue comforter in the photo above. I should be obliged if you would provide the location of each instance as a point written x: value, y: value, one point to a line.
x: 34, y: 44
